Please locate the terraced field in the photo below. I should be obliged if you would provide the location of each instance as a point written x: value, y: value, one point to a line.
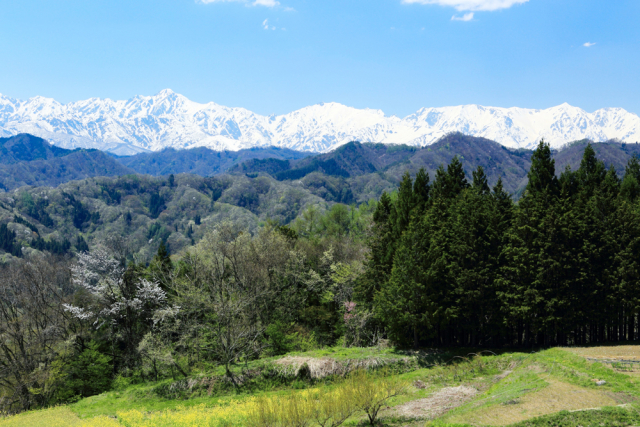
x: 563, y: 387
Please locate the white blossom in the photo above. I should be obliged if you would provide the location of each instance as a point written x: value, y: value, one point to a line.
x: 77, y: 312
x: 103, y: 277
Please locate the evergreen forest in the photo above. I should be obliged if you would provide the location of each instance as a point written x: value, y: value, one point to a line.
x: 455, y: 262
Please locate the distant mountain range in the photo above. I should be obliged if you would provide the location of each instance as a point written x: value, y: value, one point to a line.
x: 354, y: 172
x: 202, y: 160
x: 170, y: 120
x: 65, y: 194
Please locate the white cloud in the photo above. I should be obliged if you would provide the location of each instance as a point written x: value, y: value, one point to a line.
x: 473, y: 5
x: 266, y: 26
x: 267, y: 3
x: 587, y: 44
x: 466, y: 17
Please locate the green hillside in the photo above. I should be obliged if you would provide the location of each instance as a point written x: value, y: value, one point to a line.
x: 147, y: 210
x: 555, y: 387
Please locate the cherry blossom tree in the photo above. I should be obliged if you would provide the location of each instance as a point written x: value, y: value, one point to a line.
x: 121, y: 301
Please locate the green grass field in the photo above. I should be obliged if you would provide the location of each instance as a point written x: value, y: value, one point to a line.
x: 555, y: 387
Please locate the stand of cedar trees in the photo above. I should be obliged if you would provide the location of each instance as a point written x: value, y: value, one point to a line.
x: 457, y: 263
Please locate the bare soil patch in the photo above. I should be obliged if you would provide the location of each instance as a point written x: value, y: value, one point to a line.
x: 615, y: 352
x: 435, y: 405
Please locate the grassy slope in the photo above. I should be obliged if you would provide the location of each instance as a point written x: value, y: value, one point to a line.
x: 546, y: 383
x: 145, y: 395
x: 553, y: 387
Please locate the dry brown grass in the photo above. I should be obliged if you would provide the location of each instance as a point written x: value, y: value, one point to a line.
x: 557, y: 396
x: 326, y: 366
x: 618, y: 352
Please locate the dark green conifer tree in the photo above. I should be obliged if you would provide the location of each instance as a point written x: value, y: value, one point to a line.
x: 480, y: 183
x: 456, y: 179
x: 161, y: 267
x: 630, y: 187
x: 404, y: 206
x: 402, y: 302
x: 531, y: 269
x: 421, y: 191
x: 380, y: 260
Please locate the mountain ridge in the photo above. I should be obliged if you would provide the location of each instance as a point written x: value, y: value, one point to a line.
x: 170, y: 120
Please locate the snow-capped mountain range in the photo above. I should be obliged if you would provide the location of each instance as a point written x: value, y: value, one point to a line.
x: 168, y: 119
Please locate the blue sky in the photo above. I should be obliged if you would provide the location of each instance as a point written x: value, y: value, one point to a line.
x: 277, y: 56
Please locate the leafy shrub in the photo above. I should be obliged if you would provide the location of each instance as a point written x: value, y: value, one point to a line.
x: 84, y: 374
x: 282, y: 339
x: 121, y: 382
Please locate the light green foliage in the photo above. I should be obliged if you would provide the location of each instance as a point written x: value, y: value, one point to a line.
x: 340, y: 221
x: 370, y: 392
x: 53, y: 417
x: 605, y: 417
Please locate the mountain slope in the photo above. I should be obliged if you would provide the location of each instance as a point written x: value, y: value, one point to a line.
x: 149, y: 209
x: 145, y: 210
x: 612, y: 154
x: 360, y: 162
x: 29, y: 160
x: 77, y: 165
x: 369, y: 169
x: 201, y: 160
x: 25, y: 148
x: 170, y: 120
x: 351, y: 159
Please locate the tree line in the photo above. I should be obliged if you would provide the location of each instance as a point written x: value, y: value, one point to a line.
x: 457, y: 263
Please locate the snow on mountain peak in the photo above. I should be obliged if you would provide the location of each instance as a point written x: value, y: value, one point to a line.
x: 168, y: 119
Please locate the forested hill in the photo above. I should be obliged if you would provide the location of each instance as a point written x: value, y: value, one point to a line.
x: 350, y: 160
x: 354, y: 172
x: 359, y: 162
x: 24, y: 148
x: 144, y: 211
x: 370, y: 162
x: 29, y: 160
x: 610, y: 153
x: 202, y: 161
